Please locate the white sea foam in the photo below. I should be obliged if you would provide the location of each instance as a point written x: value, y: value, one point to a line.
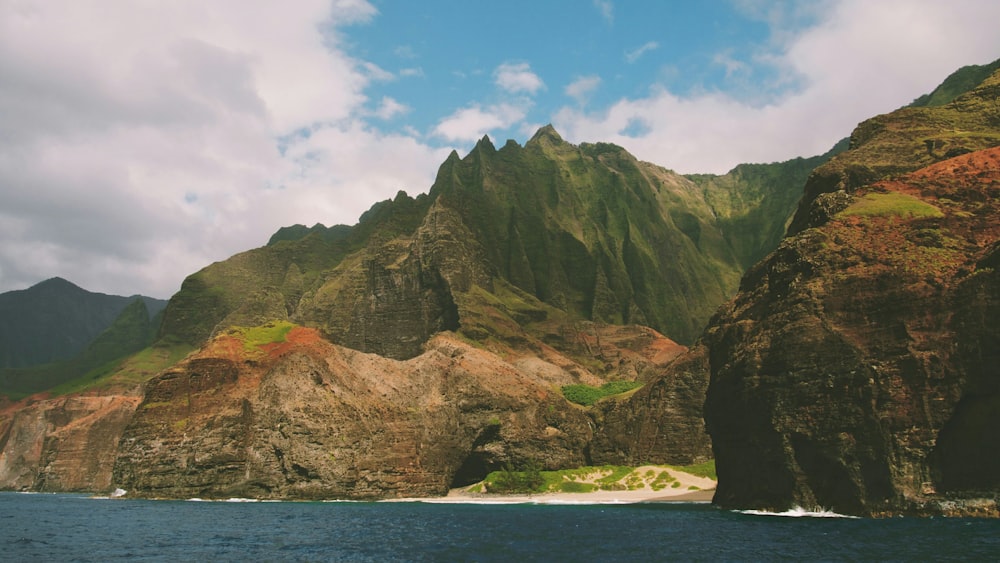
x: 118, y: 493
x: 798, y: 512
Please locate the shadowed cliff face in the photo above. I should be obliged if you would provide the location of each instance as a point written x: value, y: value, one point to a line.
x: 856, y: 369
x: 663, y: 422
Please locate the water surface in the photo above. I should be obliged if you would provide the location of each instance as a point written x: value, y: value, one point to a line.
x: 43, y: 527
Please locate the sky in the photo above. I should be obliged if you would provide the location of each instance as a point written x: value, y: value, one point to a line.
x: 141, y: 141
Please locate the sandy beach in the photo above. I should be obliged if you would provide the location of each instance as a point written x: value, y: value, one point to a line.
x: 688, y: 488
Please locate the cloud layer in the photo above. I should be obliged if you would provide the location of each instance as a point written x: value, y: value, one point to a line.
x: 143, y: 141
x: 860, y: 59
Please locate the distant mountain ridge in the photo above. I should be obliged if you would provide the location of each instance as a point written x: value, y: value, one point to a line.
x: 56, y: 331
x: 56, y: 320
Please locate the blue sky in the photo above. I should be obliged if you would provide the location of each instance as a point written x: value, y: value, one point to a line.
x: 453, y: 55
x: 143, y: 141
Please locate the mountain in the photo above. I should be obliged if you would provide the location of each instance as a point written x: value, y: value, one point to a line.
x: 55, y: 320
x: 435, y: 340
x: 132, y: 329
x: 436, y: 332
x: 855, y: 369
x: 587, y: 230
x: 427, y: 345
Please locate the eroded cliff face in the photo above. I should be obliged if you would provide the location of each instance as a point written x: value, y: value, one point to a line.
x: 63, y: 444
x: 304, y: 418
x: 856, y: 369
x: 662, y: 422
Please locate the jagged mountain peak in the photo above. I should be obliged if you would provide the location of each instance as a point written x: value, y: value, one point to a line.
x: 546, y: 133
x: 485, y: 144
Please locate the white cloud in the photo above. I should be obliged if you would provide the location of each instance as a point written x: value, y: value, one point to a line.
x: 517, y: 77
x: 142, y: 141
x: 635, y: 54
x: 471, y: 123
x: 405, y: 52
x: 139, y: 140
x: 375, y: 72
x: 607, y: 10
x: 390, y: 108
x: 581, y: 88
x: 732, y: 66
x: 847, y: 68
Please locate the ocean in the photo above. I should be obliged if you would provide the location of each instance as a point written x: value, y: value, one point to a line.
x: 61, y: 527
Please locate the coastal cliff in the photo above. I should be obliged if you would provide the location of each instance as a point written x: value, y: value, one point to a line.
x: 299, y: 417
x: 432, y: 342
x: 63, y: 444
x: 856, y: 369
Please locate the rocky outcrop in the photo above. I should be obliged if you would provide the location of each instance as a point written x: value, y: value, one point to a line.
x: 856, y: 369
x: 62, y: 444
x: 303, y: 418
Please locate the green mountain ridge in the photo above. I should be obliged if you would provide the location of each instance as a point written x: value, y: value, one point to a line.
x: 585, y: 231
x: 957, y: 83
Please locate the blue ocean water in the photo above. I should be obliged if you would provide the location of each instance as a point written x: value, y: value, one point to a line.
x: 42, y: 527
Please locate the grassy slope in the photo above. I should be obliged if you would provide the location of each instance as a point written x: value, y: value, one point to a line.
x: 266, y: 283
x: 755, y: 202
x: 904, y: 141
x: 55, y: 320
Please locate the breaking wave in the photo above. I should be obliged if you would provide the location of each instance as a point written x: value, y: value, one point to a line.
x: 798, y: 512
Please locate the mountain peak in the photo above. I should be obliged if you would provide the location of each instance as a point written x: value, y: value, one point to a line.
x: 486, y: 143
x: 57, y: 284
x: 547, y: 132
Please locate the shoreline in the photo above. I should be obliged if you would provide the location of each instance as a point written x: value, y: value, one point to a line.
x: 460, y: 496
x: 688, y: 489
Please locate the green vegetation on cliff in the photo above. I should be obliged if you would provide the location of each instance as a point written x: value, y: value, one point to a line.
x: 959, y: 82
x: 587, y: 395
x: 127, y: 373
x: 899, y: 142
x: 888, y: 204
x: 755, y: 202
